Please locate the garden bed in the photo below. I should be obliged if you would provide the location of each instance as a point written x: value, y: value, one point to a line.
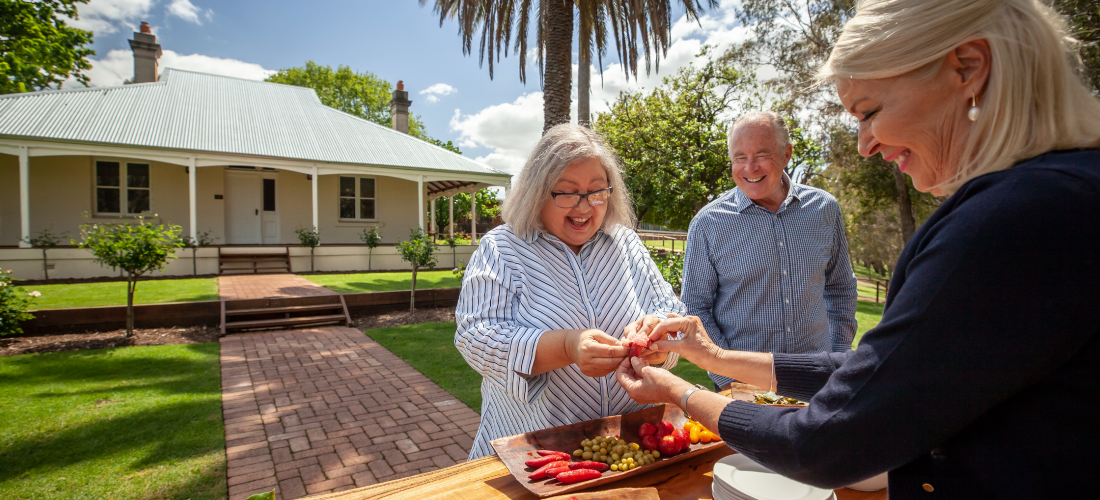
x: 11, y: 346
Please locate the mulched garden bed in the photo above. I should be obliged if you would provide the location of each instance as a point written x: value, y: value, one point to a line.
x: 11, y: 346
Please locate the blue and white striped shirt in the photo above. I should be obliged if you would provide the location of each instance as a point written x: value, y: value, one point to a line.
x: 517, y: 288
x: 771, y: 282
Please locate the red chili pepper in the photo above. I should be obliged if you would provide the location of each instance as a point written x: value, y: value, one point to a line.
x: 548, y: 453
x: 588, y: 464
x: 576, y: 476
x: 557, y: 470
x: 540, y: 461
x: 541, y: 473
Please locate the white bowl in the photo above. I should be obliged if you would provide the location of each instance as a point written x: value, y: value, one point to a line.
x: 870, y: 484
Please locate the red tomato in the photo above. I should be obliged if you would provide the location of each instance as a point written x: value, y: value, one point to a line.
x: 669, y: 446
x: 664, y: 428
x: 647, y: 429
x: 650, y: 442
x: 683, y: 437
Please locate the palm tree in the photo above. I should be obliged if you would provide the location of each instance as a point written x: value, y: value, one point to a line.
x: 632, y: 22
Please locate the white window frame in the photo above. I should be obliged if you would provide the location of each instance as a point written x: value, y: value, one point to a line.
x: 358, y: 196
x: 123, y: 187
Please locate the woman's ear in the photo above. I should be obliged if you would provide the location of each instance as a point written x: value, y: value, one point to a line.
x: 971, y: 62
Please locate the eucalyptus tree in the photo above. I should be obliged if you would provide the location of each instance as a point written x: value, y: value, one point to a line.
x: 503, y: 25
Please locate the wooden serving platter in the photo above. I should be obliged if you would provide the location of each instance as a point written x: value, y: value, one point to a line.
x: 515, y: 450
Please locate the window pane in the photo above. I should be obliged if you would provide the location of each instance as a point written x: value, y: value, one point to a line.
x: 106, y: 200
x: 269, y: 195
x: 137, y: 175
x: 106, y: 173
x: 138, y: 201
x: 366, y: 209
x: 347, y: 208
x: 366, y: 188
x: 347, y: 186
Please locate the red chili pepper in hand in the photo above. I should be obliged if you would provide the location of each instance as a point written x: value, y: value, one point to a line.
x: 548, y: 453
x: 541, y: 473
x: 576, y: 476
x: 540, y: 461
x: 588, y: 464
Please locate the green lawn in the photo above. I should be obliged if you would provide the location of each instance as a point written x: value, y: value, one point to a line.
x: 132, y: 422
x: 677, y: 244
x: 114, y: 293
x: 868, y: 315
x: 430, y: 348
x: 384, y: 282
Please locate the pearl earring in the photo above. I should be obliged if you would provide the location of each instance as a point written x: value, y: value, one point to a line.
x: 974, y: 110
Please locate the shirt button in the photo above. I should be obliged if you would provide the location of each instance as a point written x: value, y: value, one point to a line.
x: 787, y: 301
x: 780, y: 243
x: 606, y: 399
x: 784, y: 272
x: 927, y: 487
x: 788, y: 329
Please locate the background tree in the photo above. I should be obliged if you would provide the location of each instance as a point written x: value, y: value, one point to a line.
x: 308, y: 237
x: 372, y: 239
x: 361, y: 94
x: 136, y: 249
x: 1084, y: 20
x: 488, y: 207
x: 204, y: 239
x: 647, y: 23
x: 452, y: 242
x: 46, y: 240
x: 420, y: 252
x: 38, y: 51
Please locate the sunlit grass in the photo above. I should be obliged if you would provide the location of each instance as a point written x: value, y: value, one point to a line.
x: 113, y: 293
x: 384, y: 282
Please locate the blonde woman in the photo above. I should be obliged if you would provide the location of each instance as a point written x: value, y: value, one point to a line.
x: 547, y: 296
x: 983, y: 379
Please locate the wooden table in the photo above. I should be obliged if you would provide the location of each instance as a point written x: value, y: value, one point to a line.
x: 488, y: 479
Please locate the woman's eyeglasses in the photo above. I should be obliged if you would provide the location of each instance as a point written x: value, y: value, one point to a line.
x: 571, y: 200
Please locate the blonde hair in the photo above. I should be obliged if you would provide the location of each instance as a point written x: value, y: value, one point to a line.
x: 560, y: 147
x: 1034, y: 100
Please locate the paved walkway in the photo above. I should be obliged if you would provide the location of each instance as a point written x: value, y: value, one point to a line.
x: 329, y: 409
x: 268, y: 285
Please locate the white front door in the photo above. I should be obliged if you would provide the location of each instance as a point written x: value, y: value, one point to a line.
x: 243, y: 200
x: 269, y: 211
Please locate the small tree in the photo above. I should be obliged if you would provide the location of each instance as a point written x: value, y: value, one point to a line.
x: 452, y: 242
x: 46, y: 240
x: 205, y: 239
x: 13, y: 305
x: 419, y: 252
x: 309, y: 237
x: 136, y: 249
x: 372, y: 240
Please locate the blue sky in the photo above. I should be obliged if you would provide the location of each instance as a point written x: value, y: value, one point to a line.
x: 495, y: 121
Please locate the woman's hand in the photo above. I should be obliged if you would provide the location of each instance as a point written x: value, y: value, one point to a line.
x: 648, y: 385
x: 645, y: 324
x: 594, y: 352
x: 694, y: 346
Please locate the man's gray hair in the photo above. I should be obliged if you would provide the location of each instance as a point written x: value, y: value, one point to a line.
x: 782, y: 133
x: 560, y: 147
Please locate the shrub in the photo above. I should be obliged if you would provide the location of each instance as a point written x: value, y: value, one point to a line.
x: 205, y: 239
x: 13, y: 305
x: 671, y: 266
x: 308, y: 237
x: 46, y: 240
x: 372, y: 239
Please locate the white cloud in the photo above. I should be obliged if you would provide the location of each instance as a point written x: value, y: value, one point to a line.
x: 118, y: 65
x: 187, y: 11
x: 435, y: 91
x: 511, y: 130
x: 107, y: 16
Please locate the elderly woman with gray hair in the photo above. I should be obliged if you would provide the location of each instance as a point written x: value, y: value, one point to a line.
x: 983, y: 378
x: 548, y: 295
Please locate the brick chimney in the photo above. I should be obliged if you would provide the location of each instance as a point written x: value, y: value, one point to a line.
x: 146, y: 52
x: 399, y: 108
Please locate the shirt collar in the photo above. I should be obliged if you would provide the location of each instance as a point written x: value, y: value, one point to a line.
x: 794, y: 193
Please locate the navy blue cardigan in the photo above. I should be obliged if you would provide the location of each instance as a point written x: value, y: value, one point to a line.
x: 983, y: 378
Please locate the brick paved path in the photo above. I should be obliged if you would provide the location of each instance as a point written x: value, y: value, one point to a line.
x: 268, y: 285
x: 329, y: 409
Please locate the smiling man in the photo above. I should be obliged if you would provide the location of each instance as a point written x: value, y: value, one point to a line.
x: 766, y: 265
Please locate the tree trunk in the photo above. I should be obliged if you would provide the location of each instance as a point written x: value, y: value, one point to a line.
x: 454, y: 259
x: 412, y: 295
x: 558, y: 75
x: 584, y: 71
x: 311, y: 259
x: 905, y: 206
x: 131, y: 287
x: 370, y: 253
x: 194, y: 264
x: 46, y: 265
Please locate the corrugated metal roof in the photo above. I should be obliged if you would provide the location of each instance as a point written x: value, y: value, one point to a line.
x: 220, y: 114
